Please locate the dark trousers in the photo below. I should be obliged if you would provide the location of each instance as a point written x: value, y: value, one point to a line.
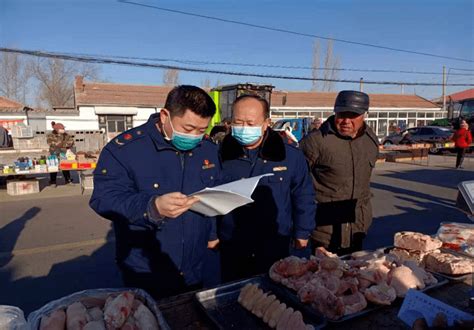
x: 243, y: 259
x: 66, y: 175
x: 460, y: 156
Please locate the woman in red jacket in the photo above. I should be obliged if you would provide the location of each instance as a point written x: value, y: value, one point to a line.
x: 462, y: 139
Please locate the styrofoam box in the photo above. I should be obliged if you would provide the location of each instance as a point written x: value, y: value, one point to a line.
x: 22, y: 187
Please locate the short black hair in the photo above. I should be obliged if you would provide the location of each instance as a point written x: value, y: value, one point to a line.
x: 265, y: 104
x: 184, y: 97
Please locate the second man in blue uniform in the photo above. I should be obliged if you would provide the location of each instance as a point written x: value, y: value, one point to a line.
x: 281, y: 219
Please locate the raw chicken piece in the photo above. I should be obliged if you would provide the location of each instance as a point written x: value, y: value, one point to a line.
x: 55, y: 321
x: 381, y: 294
x: 95, y: 301
x: 374, y: 276
x: 95, y: 325
x: 447, y: 263
x: 416, y: 241
x: 406, y: 255
x: 130, y: 324
x: 284, y: 319
x: 327, y: 280
x: 296, y: 283
x: 262, y: 308
x: 270, y: 310
x: 95, y: 314
x: 258, y: 302
x: 296, y: 321
x: 307, y: 293
x: 276, y: 315
x: 145, y: 318
x: 245, y: 291
x: 251, y: 299
x: 427, y: 278
x: 354, y: 303
x: 291, y: 266
x: 76, y: 316
x: 117, y: 311
x: 328, y: 304
x: 402, y: 279
x: 348, y: 283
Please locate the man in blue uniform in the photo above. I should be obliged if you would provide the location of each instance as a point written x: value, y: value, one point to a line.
x: 142, y: 183
x: 256, y: 235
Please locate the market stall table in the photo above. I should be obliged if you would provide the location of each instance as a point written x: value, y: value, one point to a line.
x: 183, y: 312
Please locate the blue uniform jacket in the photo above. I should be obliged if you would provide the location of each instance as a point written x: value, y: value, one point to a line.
x: 132, y: 170
x: 284, y: 203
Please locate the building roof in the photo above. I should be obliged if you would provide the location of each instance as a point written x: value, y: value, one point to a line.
x: 92, y: 93
x: 7, y: 105
x: 321, y: 99
x: 457, y: 97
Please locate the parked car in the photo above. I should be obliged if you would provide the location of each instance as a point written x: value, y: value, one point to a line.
x: 440, y: 137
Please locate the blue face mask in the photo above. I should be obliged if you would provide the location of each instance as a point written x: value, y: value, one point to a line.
x: 247, y: 135
x: 184, y: 141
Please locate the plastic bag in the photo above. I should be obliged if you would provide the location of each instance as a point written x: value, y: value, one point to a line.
x: 12, y: 318
x: 70, y: 155
x: 34, y: 318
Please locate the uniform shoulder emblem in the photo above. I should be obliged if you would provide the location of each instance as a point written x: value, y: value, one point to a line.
x: 128, y: 136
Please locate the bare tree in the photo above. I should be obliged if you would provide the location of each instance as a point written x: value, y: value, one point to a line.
x: 328, y: 71
x: 316, y: 65
x: 55, y: 79
x: 14, y: 77
x: 171, y: 77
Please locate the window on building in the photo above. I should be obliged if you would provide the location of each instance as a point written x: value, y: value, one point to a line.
x: 439, y: 115
x: 392, y: 115
x: 327, y: 114
x: 429, y: 115
x: 402, y: 115
x: 382, y: 114
x: 421, y: 114
x: 411, y: 122
x: 373, y: 125
x: 382, y: 127
x: 412, y: 115
x: 372, y: 114
x: 420, y: 123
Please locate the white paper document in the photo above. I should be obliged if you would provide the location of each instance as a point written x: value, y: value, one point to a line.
x: 419, y: 305
x: 222, y: 199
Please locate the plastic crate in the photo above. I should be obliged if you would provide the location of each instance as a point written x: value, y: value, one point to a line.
x: 22, y: 187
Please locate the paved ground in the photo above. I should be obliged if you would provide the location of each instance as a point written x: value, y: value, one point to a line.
x: 52, y: 244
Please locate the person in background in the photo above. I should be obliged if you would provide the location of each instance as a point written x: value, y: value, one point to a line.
x: 59, y: 142
x: 342, y: 155
x: 279, y: 221
x: 316, y: 124
x: 462, y: 139
x: 143, y: 183
x: 4, y: 137
x: 218, y: 133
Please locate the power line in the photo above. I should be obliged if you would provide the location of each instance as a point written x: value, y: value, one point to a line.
x: 295, y: 32
x: 231, y: 73
x: 462, y: 69
x: 274, y: 66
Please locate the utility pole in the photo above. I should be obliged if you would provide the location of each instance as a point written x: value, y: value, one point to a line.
x: 361, y: 85
x: 444, y: 88
x: 403, y: 88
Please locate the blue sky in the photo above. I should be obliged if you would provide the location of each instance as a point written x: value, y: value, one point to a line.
x: 109, y: 27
